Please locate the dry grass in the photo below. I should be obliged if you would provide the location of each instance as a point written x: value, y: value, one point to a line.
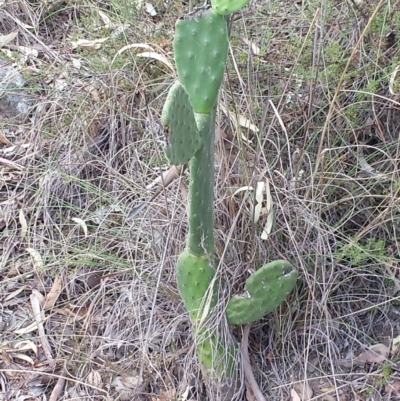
x: 316, y: 84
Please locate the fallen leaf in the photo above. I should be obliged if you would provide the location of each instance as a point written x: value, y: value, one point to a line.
x: 259, y: 200
x: 254, y: 48
x: 131, y: 46
x: 26, y: 345
x: 239, y: 120
x: 6, y: 39
x: 3, y: 139
x: 168, y: 395
x: 242, y: 189
x: 268, y: 226
x: 328, y: 397
x: 303, y: 390
x: 294, y: 395
x: 25, y: 358
x: 37, y: 259
x: 38, y: 295
x: 94, y: 379
x: 82, y: 224
x: 393, y: 387
x: 88, y: 44
x: 375, y: 354
x: 14, y: 293
x: 50, y: 299
x: 106, y: 19
x: 28, y: 329
x: 24, y: 224
x: 394, y: 81
x: 126, y: 383
x: 158, y: 57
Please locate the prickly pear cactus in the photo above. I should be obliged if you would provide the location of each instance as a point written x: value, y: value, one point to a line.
x: 267, y: 288
x: 178, y: 119
x: 225, y: 7
x: 201, y: 48
x: 194, y: 276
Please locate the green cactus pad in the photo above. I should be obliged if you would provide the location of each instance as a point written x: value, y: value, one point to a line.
x: 225, y: 7
x: 215, y: 356
x: 178, y: 118
x: 201, y: 48
x: 194, y: 275
x: 200, y: 240
x: 267, y: 288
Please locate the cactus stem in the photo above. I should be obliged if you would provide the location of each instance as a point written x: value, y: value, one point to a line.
x: 200, y: 240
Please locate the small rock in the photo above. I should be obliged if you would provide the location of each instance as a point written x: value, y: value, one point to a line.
x: 13, y: 100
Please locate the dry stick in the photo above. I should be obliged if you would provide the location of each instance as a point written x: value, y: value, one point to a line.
x: 58, y: 388
x: 39, y: 318
x: 337, y: 90
x: 10, y: 163
x: 248, y: 371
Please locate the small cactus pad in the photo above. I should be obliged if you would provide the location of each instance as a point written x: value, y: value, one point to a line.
x: 178, y: 118
x: 201, y: 48
x: 267, y: 288
x: 194, y: 275
x: 225, y: 7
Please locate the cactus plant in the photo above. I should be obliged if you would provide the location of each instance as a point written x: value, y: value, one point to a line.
x: 200, y: 49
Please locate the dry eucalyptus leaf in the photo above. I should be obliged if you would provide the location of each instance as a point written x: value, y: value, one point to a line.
x: 23, y: 223
x: 158, y: 57
x: 88, y: 44
x: 50, y: 299
x: 6, y: 39
x: 132, y: 46
x: 94, y: 379
x: 393, y: 387
x: 239, y: 121
x: 328, y: 397
x: 294, y: 395
x: 37, y: 259
x: 3, y: 139
x: 25, y: 358
x: 375, y: 354
x: 26, y: 345
x: 303, y: 390
x: 106, y: 19
x: 82, y: 224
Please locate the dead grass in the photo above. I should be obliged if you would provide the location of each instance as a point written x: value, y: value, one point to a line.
x: 93, y: 148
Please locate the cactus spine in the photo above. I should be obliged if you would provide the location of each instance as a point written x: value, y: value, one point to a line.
x: 200, y: 49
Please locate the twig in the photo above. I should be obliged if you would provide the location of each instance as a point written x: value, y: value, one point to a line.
x: 57, y: 390
x: 10, y: 163
x: 248, y: 371
x: 39, y: 318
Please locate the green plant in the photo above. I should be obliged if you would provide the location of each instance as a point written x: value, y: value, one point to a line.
x: 200, y: 50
